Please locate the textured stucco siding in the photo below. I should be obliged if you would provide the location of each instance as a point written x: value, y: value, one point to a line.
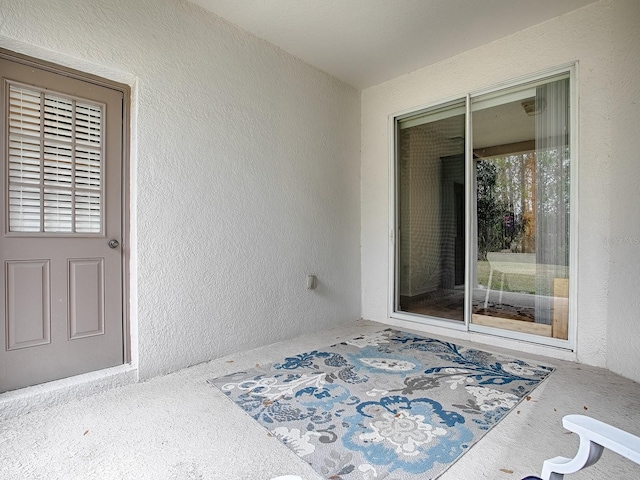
x: 623, y: 316
x: 245, y: 174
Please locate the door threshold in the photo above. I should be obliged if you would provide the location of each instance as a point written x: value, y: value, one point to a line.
x: 483, y: 337
x: 37, y: 397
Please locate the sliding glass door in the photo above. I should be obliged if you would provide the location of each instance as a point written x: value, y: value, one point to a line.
x: 431, y: 212
x: 483, y: 223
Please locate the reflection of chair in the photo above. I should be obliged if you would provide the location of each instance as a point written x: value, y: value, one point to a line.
x: 508, y: 263
x: 595, y: 436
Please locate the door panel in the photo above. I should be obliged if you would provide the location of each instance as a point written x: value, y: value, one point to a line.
x: 86, y: 297
x: 28, y: 299
x: 61, y: 287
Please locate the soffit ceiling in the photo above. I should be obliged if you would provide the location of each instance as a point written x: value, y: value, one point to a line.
x: 367, y: 42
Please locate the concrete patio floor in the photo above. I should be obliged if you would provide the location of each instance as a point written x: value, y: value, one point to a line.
x: 179, y: 427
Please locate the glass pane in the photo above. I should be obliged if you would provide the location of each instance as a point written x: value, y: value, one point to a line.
x: 58, y: 165
x: 521, y: 153
x: 431, y: 213
x: 24, y: 160
x: 58, y: 119
x: 88, y: 125
x: 24, y: 208
x: 88, y: 212
x: 88, y: 168
x: 57, y: 210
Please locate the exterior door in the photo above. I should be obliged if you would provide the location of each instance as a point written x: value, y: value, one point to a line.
x: 61, y: 285
x: 482, y: 201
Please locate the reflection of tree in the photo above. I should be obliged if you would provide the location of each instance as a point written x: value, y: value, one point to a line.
x: 516, y: 191
x: 491, y: 209
x: 552, y: 173
x: 506, y: 199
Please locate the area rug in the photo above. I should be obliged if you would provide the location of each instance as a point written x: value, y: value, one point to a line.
x: 389, y: 405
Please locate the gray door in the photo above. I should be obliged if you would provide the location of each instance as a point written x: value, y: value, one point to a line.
x: 61, y: 284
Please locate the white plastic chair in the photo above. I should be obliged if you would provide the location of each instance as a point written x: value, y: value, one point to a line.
x: 595, y: 436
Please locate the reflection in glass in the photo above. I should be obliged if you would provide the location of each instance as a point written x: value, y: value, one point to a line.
x: 521, y: 153
x: 431, y: 213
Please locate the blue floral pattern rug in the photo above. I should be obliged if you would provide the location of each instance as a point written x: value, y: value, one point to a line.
x: 389, y: 405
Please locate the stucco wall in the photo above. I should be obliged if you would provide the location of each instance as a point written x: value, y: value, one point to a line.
x: 623, y: 344
x: 607, y: 85
x: 245, y: 174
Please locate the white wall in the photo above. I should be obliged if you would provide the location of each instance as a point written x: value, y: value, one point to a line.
x: 609, y: 170
x: 245, y: 174
x: 623, y: 341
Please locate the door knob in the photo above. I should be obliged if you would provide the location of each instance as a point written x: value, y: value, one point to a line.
x: 113, y: 243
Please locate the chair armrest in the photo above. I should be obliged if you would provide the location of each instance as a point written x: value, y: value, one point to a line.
x: 595, y: 436
x: 610, y: 437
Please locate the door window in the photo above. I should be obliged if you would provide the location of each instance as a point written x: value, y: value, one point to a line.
x: 55, y: 163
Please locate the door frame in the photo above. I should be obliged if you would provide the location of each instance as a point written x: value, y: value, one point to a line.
x: 467, y: 329
x: 125, y: 170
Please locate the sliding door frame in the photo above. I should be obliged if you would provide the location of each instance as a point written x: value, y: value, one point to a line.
x: 471, y: 216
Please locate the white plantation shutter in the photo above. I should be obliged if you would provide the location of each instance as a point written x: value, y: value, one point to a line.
x: 88, y: 172
x: 24, y: 160
x: 55, y: 163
